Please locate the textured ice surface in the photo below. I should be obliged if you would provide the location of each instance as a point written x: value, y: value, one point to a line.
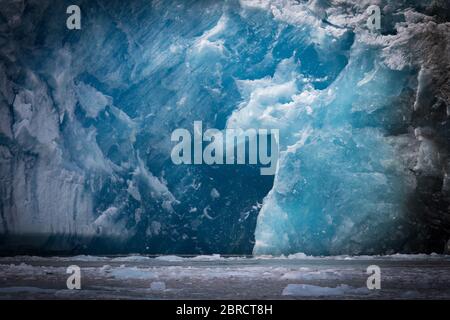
x: 350, y: 163
x: 86, y: 118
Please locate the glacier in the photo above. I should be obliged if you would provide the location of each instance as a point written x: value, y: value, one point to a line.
x: 86, y: 118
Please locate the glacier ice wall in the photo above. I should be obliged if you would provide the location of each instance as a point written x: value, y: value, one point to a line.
x: 364, y: 166
x: 86, y: 118
x: 86, y: 123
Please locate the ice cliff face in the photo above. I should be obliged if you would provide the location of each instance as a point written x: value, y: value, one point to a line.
x: 364, y: 166
x: 86, y: 117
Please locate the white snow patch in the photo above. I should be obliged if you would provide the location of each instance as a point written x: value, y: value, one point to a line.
x: 132, y: 258
x: 307, y: 274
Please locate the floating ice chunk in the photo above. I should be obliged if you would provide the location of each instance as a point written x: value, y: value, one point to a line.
x: 306, y: 290
x: 158, y: 286
x: 133, y: 258
x: 170, y: 258
x: 208, y: 257
x: 86, y: 258
x: 299, y: 255
x: 106, y: 268
x: 132, y: 273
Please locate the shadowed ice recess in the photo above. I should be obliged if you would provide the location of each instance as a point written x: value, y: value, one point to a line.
x: 87, y: 115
